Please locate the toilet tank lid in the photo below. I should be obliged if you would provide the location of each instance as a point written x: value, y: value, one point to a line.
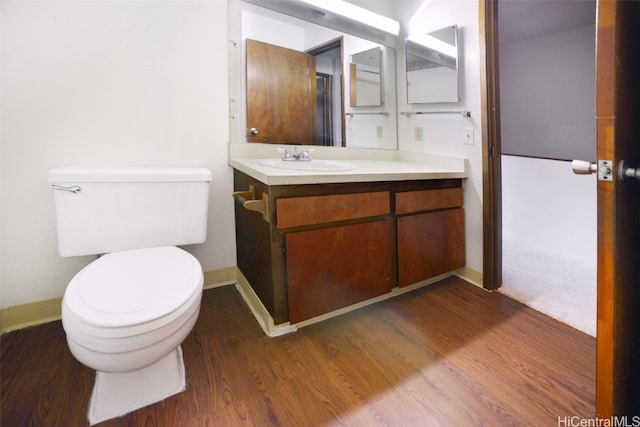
x: 128, y: 174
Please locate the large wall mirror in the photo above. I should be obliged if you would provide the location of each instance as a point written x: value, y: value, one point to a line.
x: 432, y: 62
x: 290, y: 82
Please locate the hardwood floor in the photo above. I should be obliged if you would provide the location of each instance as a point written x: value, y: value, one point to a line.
x: 449, y: 354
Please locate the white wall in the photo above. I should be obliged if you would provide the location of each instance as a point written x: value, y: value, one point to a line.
x: 547, y: 96
x: 444, y: 134
x: 106, y: 83
x: 557, y: 217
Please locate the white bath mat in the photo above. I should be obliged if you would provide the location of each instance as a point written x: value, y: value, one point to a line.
x: 116, y: 394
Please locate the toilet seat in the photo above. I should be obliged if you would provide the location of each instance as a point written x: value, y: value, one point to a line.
x: 124, y: 294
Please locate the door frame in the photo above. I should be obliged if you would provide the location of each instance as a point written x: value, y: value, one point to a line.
x: 491, y: 147
x: 319, y: 50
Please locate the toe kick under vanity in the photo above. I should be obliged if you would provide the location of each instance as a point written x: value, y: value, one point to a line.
x: 313, y: 243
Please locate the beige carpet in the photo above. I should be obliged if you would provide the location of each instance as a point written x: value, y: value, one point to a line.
x: 559, y: 287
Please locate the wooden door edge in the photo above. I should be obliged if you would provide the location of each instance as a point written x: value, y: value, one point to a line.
x: 491, y: 164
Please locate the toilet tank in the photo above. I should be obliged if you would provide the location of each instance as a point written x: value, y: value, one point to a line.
x: 102, y: 210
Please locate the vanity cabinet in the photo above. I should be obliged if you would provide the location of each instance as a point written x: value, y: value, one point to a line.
x: 310, y: 249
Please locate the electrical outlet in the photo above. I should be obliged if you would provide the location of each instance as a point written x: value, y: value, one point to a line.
x: 379, y: 132
x: 468, y: 136
x: 419, y: 134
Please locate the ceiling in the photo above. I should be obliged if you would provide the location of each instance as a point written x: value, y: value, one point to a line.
x: 400, y: 10
x: 521, y: 19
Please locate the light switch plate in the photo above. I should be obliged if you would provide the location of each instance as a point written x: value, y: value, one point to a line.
x: 468, y: 136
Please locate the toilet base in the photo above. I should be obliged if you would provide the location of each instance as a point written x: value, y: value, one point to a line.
x: 116, y: 394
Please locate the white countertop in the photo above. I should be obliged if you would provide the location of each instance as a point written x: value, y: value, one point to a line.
x: 370, y: 165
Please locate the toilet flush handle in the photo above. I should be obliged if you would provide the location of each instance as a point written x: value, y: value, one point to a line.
x: 74, y: 189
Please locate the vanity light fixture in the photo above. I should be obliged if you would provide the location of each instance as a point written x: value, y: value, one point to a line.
x: 435, y: 44
x: 357, y: 13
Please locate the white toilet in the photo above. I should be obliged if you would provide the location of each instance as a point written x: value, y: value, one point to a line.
x: 126, y: 314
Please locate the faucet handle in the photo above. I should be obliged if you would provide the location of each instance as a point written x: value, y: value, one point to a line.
x: 295, y: 154
x: 287, y: 153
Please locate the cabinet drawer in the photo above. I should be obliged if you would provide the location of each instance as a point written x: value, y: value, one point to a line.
x: 308, y: 210
x: 428, y: 200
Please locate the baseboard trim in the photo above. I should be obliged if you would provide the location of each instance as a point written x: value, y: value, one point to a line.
x: 472, y: 276
x: 30, y: 314
x: 259, y: 311
x: 221, y: 277
x: 394, y: 293
x: 40, y: 312
x: 272, y: 330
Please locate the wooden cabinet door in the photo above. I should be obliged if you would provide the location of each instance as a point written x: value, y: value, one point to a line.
x: 331, y: 268
x: 430, y: 244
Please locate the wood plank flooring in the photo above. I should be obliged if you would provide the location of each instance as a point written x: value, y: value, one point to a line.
x: 449, y: 354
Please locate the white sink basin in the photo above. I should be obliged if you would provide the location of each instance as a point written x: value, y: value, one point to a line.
x: 310, y: 165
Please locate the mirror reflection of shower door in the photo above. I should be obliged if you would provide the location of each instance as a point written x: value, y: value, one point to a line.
x: 324, y: 91
x: 329, y: 64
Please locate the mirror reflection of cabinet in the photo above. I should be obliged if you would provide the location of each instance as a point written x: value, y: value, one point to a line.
x: 432, y: 62
x: 365, y: 78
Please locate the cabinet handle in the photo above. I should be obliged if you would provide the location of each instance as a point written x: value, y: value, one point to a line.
x: 249, y: 201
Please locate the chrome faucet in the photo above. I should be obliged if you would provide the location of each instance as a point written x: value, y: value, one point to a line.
x: 296, y: 156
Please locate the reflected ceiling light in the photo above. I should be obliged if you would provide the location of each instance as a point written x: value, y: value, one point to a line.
x: 435, y: 44
x: 359, y: 14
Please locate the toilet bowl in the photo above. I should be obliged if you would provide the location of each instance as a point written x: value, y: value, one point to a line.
x: 125, y: 316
